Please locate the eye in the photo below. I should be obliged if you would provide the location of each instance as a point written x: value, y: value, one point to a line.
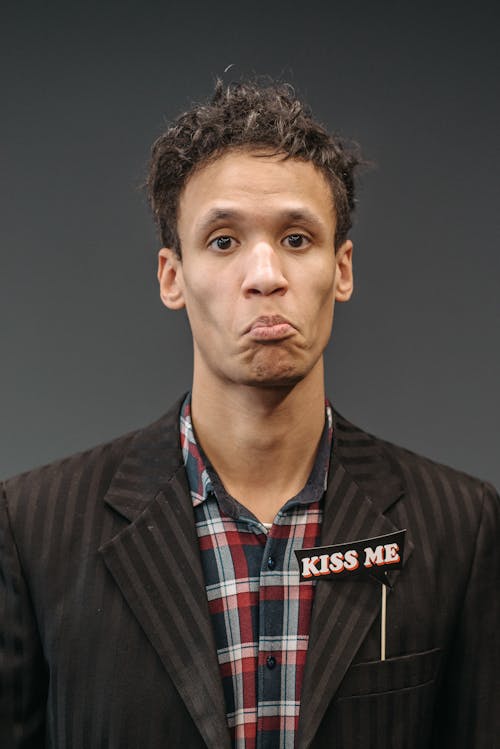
x: 222, y: 243
x: 297, y: 241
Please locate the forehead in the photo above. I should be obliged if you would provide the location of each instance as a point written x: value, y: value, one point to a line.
x: 254, y: 180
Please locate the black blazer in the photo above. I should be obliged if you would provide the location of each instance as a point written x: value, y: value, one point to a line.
x: 106, y: 641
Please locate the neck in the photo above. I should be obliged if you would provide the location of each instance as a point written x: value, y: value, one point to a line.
x: 261, y: 441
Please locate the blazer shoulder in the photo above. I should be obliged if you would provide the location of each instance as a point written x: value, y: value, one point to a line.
x: 101, y: 459
x: 445, y: 494
x: 417, y: 474
x: 90, y: 473
x: 410, y: 463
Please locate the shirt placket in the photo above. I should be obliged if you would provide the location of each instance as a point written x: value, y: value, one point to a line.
x: 270, y: 651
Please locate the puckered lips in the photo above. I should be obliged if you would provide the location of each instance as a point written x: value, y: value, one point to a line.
x: 270, y: 328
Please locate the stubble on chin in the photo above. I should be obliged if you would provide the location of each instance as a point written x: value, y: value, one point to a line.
x: 272, y: 366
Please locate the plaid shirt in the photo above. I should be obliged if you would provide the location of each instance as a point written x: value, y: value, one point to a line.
x: 259, y: 610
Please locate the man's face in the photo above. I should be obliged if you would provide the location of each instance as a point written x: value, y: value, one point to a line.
x: 258, y: 275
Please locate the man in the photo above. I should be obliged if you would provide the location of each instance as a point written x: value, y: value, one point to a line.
x: 150, y: 592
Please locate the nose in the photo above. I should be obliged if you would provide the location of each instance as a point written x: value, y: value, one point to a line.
x: 263, y: 271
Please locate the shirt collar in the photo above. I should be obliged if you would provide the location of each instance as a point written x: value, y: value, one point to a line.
x: 204, y: 482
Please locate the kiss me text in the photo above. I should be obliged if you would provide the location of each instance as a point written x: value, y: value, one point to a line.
x: 349, y: 561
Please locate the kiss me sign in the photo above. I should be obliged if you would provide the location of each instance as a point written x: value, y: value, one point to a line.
x: 367, y: 557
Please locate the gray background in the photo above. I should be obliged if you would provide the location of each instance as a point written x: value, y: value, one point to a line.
x: 89, y: 352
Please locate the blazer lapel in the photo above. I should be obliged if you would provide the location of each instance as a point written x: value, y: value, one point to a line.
x: 155, y: 562
x: 362, y: 485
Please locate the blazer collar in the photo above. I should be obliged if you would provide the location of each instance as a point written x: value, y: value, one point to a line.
x: 153, y: 457
x: 364, y: 458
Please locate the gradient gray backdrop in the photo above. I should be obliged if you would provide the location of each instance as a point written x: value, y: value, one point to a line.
x: 87, y: 349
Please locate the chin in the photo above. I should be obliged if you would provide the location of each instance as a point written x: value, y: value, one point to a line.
x: 276, y: 374
x: 273, y: 368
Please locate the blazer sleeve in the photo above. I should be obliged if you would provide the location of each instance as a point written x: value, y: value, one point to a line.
x: 468, y: 711
x: 23, y: 674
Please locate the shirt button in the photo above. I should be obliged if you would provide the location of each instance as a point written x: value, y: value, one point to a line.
x: 270, y: 661
x: 271, y: 563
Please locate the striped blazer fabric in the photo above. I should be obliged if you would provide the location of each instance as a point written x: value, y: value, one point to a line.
x: 105, y: 635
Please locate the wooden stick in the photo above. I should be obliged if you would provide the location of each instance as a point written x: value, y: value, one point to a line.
x: 383, y: 623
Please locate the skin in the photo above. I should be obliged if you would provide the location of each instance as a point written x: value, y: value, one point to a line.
x: 259, y: 279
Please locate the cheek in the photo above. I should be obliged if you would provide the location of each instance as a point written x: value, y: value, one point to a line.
x: 208, y: 305
x: 323, y: 292
x: 324, y: 289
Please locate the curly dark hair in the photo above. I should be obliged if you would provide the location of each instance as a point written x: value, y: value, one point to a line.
x: 248, y: 114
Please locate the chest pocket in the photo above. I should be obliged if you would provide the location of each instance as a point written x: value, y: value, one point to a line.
x: 383, y: 705
x: 378, y: 677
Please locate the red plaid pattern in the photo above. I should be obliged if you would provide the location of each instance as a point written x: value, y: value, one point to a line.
x: 259, y: 610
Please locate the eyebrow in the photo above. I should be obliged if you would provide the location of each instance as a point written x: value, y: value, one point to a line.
x: 217, y: 215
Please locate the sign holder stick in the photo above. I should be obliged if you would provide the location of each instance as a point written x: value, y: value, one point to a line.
x: 383, y: 622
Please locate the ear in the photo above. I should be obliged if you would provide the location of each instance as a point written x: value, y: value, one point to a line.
x: 170, y: 278
x: 344, y: 282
